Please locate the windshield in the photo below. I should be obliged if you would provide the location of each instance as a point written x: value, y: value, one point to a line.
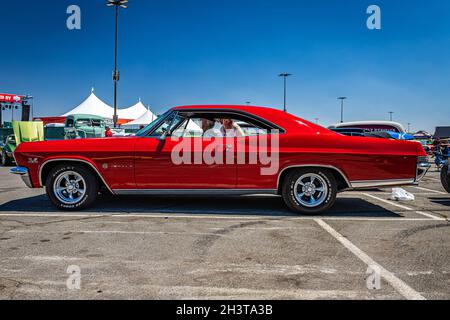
x: 143, y: 132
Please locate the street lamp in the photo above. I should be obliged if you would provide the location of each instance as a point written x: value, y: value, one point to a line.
x: 409, y: 127
x: 342, y: 107
x: 391, y: 115
x: 285, y: 76
x: 116, y: 74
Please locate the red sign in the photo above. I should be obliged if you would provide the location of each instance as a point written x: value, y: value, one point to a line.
x: 10, y: 98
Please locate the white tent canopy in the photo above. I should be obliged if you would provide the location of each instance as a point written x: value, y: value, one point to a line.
x: 95, y: 106
x: 92, y: 106
x: 145, y: 119
x: 134, y: 112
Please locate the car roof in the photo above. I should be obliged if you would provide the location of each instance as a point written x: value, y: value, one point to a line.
x: 278, y: 117
x: 85, y: 116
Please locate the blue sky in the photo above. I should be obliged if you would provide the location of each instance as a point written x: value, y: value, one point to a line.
x: 229, y: 52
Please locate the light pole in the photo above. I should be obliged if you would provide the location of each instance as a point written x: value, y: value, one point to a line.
x: 409, y: 127
x: 116, y: 74
x: 342, y: 107
x: 391, y: 115
x: 28, y: 99
x: 285, y: 76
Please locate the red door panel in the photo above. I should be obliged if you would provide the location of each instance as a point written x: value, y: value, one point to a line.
x: 156, y: 168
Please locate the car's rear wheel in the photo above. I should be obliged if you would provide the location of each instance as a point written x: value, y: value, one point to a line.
x: 71, y: 187
x: 445, y: 178
x: 6, y: 161
x: 310, y: 191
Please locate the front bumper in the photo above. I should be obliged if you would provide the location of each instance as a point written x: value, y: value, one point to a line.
x: 422, y: 168
x: 25, y: 175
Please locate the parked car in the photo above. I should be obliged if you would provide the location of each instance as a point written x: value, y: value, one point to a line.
x: 84, y: 126
x: 7, y: 147
x: 314, y: 164
x: 352, y: 132
x: 55, y: 131
x: 21, y: 131
x: 372, y: 126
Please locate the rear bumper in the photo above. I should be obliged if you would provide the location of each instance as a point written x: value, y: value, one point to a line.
x: 24, y: 174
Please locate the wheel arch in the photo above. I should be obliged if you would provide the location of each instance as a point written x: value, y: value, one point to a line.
x: 48, y: 165
x: 341, y: 179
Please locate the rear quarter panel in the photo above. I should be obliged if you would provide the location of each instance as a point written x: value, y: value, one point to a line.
x: 358, y: 158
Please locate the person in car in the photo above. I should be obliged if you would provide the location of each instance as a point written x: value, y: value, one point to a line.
x: 209, y: 131
x: 231, y: 129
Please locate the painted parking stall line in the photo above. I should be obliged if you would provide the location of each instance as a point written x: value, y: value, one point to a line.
x: 431, y: 190
x: 433, y: 217
x: 208, y: 217
x: 401, y: 287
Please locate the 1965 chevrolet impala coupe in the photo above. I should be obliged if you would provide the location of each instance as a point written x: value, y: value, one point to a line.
x: 220, y: 150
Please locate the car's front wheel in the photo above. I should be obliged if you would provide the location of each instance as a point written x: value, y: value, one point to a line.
x: 71, y: 187
x: 310, y: 191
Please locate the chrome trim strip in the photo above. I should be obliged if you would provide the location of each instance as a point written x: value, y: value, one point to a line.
x: 72, y: 160
x: 181, y: 192
x: 381, y: 183
x: 316, y: 166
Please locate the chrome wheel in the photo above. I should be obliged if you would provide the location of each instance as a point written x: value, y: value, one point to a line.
x: 69, y: 187
x: 311, y: 190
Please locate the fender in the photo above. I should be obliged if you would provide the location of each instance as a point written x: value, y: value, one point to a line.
x: 73, y: 159
x: 316, y: 166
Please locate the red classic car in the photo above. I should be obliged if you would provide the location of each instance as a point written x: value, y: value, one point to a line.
x: 220, y: 150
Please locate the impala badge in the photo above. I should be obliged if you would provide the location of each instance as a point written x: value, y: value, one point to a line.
x: 33, y: 161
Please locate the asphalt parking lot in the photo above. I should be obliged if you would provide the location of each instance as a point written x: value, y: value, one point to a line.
x: 225, y: 248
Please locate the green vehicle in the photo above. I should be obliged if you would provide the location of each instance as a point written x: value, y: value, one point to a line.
x: 84, y: 126
x: 22, y: 132
x: 7, y: 147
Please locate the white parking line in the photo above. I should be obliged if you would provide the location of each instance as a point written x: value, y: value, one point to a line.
x: 432, y: 179
x: 400, y: 286
x: 433, y: 191
x: 207, y: 217
x: 404, y: 207
x: 127, y: 232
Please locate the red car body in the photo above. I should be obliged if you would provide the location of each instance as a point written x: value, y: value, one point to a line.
x: 142, y: 165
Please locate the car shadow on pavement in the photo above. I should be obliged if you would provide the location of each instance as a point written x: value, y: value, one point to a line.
x: 270, y: 206
x: 441, y: 201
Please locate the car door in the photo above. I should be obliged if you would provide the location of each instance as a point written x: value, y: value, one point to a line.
x: 161, y: 161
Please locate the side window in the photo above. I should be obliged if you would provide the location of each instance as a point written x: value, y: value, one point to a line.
x: 84, y: 123
x: 169, y: 124
x: 209, y: 124
x: 189, y: 128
